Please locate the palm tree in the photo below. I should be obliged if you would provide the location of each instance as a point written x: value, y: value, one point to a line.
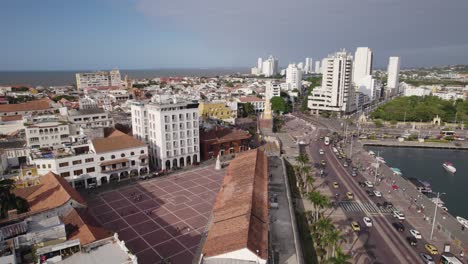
x: 310, y: 181
x: 340, y: 258
x: 319, y: 201
x: 8, y: 200
x: 302, y: 159
x: 333, y: 238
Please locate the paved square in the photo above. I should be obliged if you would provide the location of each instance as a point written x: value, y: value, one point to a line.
x: 161, y: 218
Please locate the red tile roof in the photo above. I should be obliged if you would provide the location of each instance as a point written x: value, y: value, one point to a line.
x: 221, y: 134
x: 41, y: 104
x: 116, y: 141
x: 52, y: 191
x: 12, y: 118
x: 241, y: 208
x: 80, y: 224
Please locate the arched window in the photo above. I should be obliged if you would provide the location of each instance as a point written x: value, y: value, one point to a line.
x: 113, y: 157
x: 122, y: 155
x: 142, y: 151
x: 102, y: 158
x: 132, y: 153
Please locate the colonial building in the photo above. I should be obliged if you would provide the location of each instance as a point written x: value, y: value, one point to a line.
x: 222, y: 140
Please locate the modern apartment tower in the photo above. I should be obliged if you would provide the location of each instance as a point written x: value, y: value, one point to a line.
x: 393, y: 70
x: 309, y: 66
x: 317, y: 67
x: 294, y: 77
x: 98, y: 79
x: 337, y: 93
x: 362, y: 64
x: 270, y: 66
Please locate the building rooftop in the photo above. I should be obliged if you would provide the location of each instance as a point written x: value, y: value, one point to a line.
x: 80, y: 224
x: 241, y: 208
x: 35, y: 105
x: 9, y: 144
x: 91, y: 111
x: 116, y: 141
x: 247, y: 99
x: 219, y: 134
x: 108, y: 253
x: 51, y: 192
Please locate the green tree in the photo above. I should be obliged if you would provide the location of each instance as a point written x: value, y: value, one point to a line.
x: 340, y: 258
x: 9, y: 201
x: 278, y: 104
x: 67, y: 97
x: 248, y: 109
x: 319, y: 201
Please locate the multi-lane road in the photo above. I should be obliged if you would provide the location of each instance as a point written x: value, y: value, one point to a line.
x: 382, y: 242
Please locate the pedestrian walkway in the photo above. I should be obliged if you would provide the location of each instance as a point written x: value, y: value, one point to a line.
x: 370, y: 208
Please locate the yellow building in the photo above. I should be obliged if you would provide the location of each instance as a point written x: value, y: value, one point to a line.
x: 215, y: 110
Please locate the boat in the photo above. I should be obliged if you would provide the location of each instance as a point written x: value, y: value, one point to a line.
x: 372, y: 153
x: 396, y: 171
x: 380, y: 159
x: 462, y: 221
x: 449, y: 167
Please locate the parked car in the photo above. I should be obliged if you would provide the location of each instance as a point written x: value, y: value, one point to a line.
x: 415, y: 233
x: 398, y: 215
x: 355, y: 226
x: 427, y: 259
x: 370, y: 193
x: 321, y: 152
x: 349, y: 195
x: 412, y: 241
x: 399, y: 226
x: 369, y: 184
x: 336, y: 185
x: 353, y: 174
x: 362, y: 184
x: 387, y: 205
x: 378, y: 194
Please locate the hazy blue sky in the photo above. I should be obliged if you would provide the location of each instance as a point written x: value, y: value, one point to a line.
x: 136, y: 34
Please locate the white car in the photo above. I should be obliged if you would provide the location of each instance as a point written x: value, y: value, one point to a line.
x: 378, y: 194
x: 367, y: 221
x: 415, y: 233
x: 321, y: 152
x: 399, y: 215
x: 369, y: 184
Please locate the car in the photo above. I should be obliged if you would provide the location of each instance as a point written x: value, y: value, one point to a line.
x: 399, y: 226
x: 378, y: 205
x: 412, y: 241
x: 355, y: 226
x: 378, y: 194
x: 399, y: 215
x: 426, y: 258
x: 367, y: 221
x: 431, y: 249
x: 415, y: 233
x: 321, y: 138
x: 370, y: 193
x: 354, y: 168
x: 369, y: 184
x: 335, y: 185
x: 346, y: 164
x: 350, y: 195
x: 387, y: 205
x: 353, y: 174
x: 323, y: 163
x: 349, y: 160
x: 362, y: 184
x: 321, y: 152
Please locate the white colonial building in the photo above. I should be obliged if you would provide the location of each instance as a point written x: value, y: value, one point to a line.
x: 170, y: 128
x: 47, y: 133
x: 88, y: 118
x: 94, y: 162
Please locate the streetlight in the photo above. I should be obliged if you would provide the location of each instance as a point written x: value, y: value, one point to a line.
x: 435, y: 212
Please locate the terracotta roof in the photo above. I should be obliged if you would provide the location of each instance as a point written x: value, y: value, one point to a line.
x: 12, y: 118
x: 110, y: 162
x: 52, y: 191
x: 221, y: 134
x: 116, y: 141
x: 80, y: 224
x: 41, y: 104
x: 250, y: 99
x: 241, y: 208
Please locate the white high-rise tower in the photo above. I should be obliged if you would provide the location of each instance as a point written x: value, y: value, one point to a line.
x: 259, y: 64
x: 270, y: 66
x: 317, y: 67
x: 309, y: 66
x: 393, y: 71
x: 294, y: 77
x: 362, y: 64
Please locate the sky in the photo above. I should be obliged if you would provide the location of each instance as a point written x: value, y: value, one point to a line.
x: 155, y: 34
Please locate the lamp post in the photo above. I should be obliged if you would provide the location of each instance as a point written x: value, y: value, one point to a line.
x: 377, y: 167
x: 435, y: 213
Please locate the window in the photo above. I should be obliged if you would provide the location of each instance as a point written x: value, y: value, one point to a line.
x: 91, y: 169
x: 132, y: 162
x: 142, y: 151
x: 76, y: 162
x: 65, y: 174
x: 113, y: 157
x: 122, y: 155
x: 132, y: 153
x: 43, y: 166
x: 89, y: 160
x: 63, y: 164
x: 49, y: 166
x: 77, y: 172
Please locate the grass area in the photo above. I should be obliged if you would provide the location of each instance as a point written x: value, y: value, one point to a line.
x: 310, y: 256
x: 292, y: 180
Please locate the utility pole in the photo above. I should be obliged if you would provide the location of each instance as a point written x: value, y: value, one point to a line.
x: 435, y: 214
x: 351, y: 150
x: 377, y: 168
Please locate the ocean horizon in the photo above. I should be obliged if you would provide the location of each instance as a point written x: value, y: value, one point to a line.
x: 48, y: 78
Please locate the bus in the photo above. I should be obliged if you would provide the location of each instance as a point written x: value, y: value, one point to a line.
x: 449, y: 259
x: 326, y: 141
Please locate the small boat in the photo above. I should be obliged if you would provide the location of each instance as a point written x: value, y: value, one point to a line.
x: 462, y: 221
x: 380, y: 159
x: 372, y: 153
x: 449, y: 167
x: 396, y: 171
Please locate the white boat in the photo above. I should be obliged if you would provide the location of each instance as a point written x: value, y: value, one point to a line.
x: 462, y: 221
x: 449, y: 167
x: 380, y: 159
x: 372, y: 153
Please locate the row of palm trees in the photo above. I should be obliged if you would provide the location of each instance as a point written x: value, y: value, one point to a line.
x: 327, y: 238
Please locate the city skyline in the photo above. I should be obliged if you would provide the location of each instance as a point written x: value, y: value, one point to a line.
x: 142, y: 34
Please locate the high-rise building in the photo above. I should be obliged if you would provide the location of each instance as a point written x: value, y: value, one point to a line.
x: 337, y: 93
x: 309, y: 66
x: 98, y: 79
x: 362, y: 64
x: 259, y: 64
x: 301, y: 67
x: 272, y: 89
x: 270, y: 66
x: 170, y: 128
x: 393, y: 71
x: 317, y: 67
x: 294, y: 77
